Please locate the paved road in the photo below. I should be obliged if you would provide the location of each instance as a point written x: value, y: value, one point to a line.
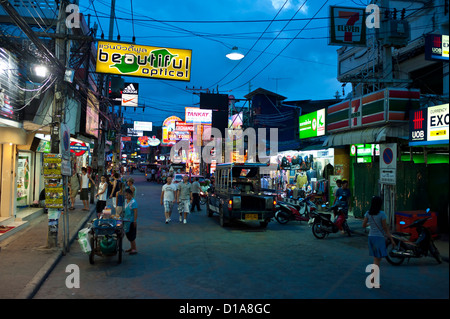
x: 201, y: 260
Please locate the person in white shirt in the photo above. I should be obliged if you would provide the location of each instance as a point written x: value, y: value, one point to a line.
x: 101, y: 196
x: 84, y: 195
x: 168, y: 198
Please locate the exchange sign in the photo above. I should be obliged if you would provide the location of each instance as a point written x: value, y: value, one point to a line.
x: 143, y: 61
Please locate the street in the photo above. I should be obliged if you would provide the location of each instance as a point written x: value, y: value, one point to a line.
x: 201, y: 260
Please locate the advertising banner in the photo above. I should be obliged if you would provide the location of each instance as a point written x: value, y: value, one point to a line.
x: 143, y: 61
x: 54, y: 191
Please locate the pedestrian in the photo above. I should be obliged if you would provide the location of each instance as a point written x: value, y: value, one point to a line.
x: 117, y: 185
x: 184, y: 198
x: 344, y: 191
x: 379, y: 229
x: 339, y: 185
x: 130, y: 185
x: 196, y: 189
x: 120, y: 199
x: 168, y: 197
x: 101, y: 195
x: 74, y: 186
x: 84, y: 196
x: 130, y: 220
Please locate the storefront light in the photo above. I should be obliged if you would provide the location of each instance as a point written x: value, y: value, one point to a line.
x: 41, y: 71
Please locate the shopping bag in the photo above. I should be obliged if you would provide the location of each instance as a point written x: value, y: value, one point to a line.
x: 83, y: 240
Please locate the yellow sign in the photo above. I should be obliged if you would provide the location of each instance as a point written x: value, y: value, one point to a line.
x: 438, y: 133
x: 143, y: 61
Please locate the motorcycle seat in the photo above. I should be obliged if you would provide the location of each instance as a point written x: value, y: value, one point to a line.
x: 401, y: 234
x: 327, y: 216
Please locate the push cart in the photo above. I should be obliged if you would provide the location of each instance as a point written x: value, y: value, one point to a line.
x: 106, y: 237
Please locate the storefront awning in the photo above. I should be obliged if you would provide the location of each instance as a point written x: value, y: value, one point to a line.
x: 372, y: 135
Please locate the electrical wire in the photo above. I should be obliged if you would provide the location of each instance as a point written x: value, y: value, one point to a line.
x: 290, y: 42
x: 254, y: 44
x: 250, y: 64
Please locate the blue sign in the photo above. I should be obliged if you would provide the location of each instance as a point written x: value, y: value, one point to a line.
x: 388, y: 156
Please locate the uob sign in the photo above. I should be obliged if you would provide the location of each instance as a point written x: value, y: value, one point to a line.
x: 418, y: 125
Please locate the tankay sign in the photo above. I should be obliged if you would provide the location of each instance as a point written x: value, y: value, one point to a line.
x: 198, y: 116
x: 143, y: 61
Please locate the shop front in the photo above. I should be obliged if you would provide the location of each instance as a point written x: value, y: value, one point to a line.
x: 11, y: 135
x: 357, y: 128
x: 302, y: 172
x: 429, y: 157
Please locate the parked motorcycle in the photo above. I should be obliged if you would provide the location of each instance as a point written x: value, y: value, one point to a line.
x: 287, y: 211
x: 406, y: 249
x: 323, y: 225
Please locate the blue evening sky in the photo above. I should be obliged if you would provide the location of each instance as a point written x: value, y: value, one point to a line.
x: 300, y: 68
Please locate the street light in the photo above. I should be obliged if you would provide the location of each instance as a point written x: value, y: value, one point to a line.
x: 235, y: 54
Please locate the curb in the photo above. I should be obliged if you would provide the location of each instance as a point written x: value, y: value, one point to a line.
x: 33, y: 286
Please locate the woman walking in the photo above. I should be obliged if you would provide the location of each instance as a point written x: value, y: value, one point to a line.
x: 130, y: 217
x: 379, y: 229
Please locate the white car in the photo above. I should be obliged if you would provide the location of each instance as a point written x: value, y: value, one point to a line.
x: 178, y: 178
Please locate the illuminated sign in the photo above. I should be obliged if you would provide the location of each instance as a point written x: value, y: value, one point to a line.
x: 143, y: 126
x: 436, y: 47
x: 312, y: 124
x: 429, y: 126
x: 143, y: 61
x: 78, y: 148
x: 197, y: 115
x: 169, y: 126
x: 347, y: 26
x: 183, y: 127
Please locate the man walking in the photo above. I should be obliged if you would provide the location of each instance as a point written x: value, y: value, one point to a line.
x: 184, y: 197
x: 101, y: 196
x: 84, y: 196
x: 196, y: 189
x: 168, y: 197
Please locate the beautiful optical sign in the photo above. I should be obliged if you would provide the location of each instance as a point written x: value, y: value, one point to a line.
x: 143, y: 61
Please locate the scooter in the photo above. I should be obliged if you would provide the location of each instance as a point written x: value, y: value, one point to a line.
x: 406, y: 249
x: 323, y: 225
x: 203, y: 197
x: 287, y: 211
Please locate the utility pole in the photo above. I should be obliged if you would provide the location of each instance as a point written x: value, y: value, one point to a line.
x: 59, y: 112
x: 387, y: 50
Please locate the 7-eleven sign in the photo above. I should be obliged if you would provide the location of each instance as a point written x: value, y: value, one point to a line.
x: 355, y: 116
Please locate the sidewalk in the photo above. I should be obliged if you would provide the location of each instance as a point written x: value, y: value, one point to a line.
x: 441, y: 242
x: 25, y: 261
